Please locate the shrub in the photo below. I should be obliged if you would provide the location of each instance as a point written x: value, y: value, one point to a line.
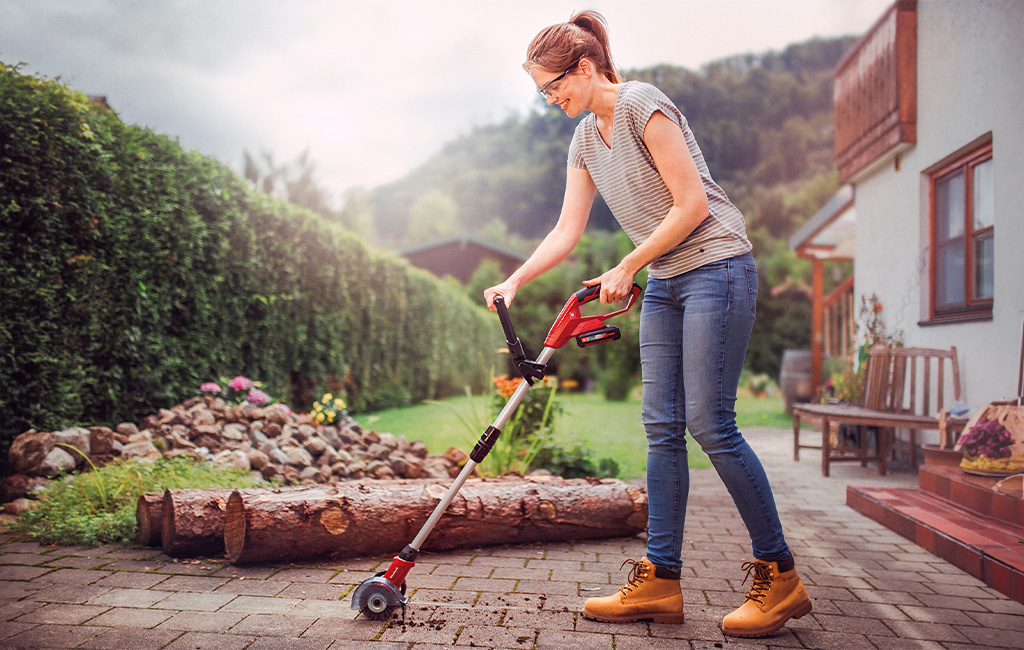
x: 132, y: 270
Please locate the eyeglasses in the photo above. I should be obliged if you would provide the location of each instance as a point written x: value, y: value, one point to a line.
x: 543, y: 90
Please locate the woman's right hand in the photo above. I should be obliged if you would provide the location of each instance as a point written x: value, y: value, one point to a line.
x: 506, y: 290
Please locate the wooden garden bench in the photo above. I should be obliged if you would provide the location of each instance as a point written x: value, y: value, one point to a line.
x: 902, y: 389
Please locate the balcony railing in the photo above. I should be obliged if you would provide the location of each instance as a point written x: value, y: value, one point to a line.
x: 876, y: 92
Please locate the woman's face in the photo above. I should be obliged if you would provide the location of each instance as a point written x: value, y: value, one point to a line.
x: 558, y: 88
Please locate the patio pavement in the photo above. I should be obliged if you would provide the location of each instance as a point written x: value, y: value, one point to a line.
x: 871, y: 588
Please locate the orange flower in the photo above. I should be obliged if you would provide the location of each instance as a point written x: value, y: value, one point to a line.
x: 505, y: 386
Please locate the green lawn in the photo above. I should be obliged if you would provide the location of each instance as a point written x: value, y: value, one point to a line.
x: 610, y: 429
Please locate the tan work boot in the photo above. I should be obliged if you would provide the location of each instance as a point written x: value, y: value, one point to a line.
x: 773, y: 599
x: 643, y: 596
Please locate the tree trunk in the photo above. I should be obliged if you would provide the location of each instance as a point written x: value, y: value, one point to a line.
x: 193, y: 520
x: 378, y: 517
x: 149, y: 515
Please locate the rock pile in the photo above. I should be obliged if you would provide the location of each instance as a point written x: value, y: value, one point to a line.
x: 272, y: 441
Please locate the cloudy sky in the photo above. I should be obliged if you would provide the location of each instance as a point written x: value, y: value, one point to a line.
x: 372, y: 88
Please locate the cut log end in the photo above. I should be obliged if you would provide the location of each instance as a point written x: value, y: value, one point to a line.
x: 149, y: 517
x: 234, y: 527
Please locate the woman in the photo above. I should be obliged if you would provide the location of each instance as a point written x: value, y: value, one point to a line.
x: 637, y: 149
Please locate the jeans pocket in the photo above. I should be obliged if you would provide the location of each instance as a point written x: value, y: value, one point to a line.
x: 752, y: 288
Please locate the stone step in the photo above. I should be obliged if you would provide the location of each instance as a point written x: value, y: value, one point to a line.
x: 988, y: 548
x: 971, y: 492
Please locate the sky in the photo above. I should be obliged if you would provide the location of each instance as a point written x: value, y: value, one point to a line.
x: 370, y: 88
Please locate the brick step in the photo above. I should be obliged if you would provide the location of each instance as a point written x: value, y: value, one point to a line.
x: 971, y: 492
x: 988, y: 548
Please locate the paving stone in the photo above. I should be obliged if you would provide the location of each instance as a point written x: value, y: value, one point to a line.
x: 449, y: 597
x: 532, y: 618
x: 305, y: 575
x: 16, y: 589
x: 28, y: 559
x: 12, y: 628
x: 928, y: 631
x: 253, y: 587
x: 210, y: 641
x: 314, y: 591
x: 62, y: 614
x: 264, y: 625
x: 70, y: 594
x: 559, y: 640
x: 260, y: 605
x: 54, y: 636
x: 118, y: 597
x: 187, y: 600
x: 199, y: 584
x: 128, y: 638
x: 193, y: 621
x: 16, y: 572
x: 340, y: 628
x: 131, y: 580
x: 495, y: 637
x: 77, y: 562
x: 324, y: 609
x: 547, y: 587
x: 295, y: 644
x: 419, y: 631
x: 129, y: 617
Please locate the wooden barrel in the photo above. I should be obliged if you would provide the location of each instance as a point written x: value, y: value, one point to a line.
x: 795, y: 377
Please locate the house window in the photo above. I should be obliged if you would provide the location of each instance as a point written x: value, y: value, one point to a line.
x: 962, y: 230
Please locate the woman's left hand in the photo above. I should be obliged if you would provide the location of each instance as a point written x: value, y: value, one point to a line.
x: 615, y: 285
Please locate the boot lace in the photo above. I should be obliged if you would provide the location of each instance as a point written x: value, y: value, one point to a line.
x: 637, y: 574
x: 761, y: 583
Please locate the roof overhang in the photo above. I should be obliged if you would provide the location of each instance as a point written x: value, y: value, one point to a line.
x: 831, y: 233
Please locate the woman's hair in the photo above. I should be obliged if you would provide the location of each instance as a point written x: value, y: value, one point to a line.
x: 559, y: 47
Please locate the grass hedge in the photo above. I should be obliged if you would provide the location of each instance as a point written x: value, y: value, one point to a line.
x: 131, y: 270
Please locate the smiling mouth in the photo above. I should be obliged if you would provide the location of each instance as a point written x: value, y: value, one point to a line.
x: 564, y: 104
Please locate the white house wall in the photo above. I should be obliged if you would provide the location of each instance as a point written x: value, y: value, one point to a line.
x: 970, y: 82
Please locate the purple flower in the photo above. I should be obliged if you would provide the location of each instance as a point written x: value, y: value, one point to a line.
x: 257, y: 397
x: 210, y: 387
x: 240, y: 383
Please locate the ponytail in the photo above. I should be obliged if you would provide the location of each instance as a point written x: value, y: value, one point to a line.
x: 561, y: 46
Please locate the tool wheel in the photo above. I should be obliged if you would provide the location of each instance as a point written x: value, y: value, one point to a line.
x: 378, y: 605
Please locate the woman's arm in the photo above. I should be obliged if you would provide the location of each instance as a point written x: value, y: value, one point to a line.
x: 665, y: 141
x: 556, y: 246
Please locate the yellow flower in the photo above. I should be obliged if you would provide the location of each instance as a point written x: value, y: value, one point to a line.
x: 327, y: 398
x: 339, y: 404
x: 320, y: 417
x: 330, y: 417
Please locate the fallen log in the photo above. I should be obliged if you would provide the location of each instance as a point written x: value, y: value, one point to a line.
x: 371, y: 518
x: 149, y: 518
x: 193, y: 520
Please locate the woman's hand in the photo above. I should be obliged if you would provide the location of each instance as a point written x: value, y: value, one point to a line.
x: 506, y: 290
x: 615, y: 285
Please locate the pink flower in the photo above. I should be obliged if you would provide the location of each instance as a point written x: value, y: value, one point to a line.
x: 240, y: 383
x: 257, y: 397
x: 210, y: 387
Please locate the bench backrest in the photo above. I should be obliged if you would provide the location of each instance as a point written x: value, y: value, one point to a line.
x: 915, y: 381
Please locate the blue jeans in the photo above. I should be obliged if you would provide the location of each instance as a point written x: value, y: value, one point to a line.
x: 694, y: 330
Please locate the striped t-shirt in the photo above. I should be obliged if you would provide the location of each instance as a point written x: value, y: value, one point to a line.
x: 630, y: 184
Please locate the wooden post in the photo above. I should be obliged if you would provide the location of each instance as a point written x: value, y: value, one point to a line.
x: 817, y: 318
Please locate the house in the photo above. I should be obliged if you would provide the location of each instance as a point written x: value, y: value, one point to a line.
x: 929, y: 143
x: 460, y: 255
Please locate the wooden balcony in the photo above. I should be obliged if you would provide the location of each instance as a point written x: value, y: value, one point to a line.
x: 876, y: 92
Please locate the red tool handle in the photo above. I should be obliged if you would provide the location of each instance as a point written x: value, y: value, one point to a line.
x: 572, y: 323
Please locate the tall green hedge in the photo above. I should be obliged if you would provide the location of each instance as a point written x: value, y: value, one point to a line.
x: 131, y: 270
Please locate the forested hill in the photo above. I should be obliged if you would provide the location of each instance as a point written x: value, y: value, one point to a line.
x: 764, y: 123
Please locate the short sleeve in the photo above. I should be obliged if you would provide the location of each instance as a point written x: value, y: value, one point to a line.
x: 576, y: 152
x: 644, y: 103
